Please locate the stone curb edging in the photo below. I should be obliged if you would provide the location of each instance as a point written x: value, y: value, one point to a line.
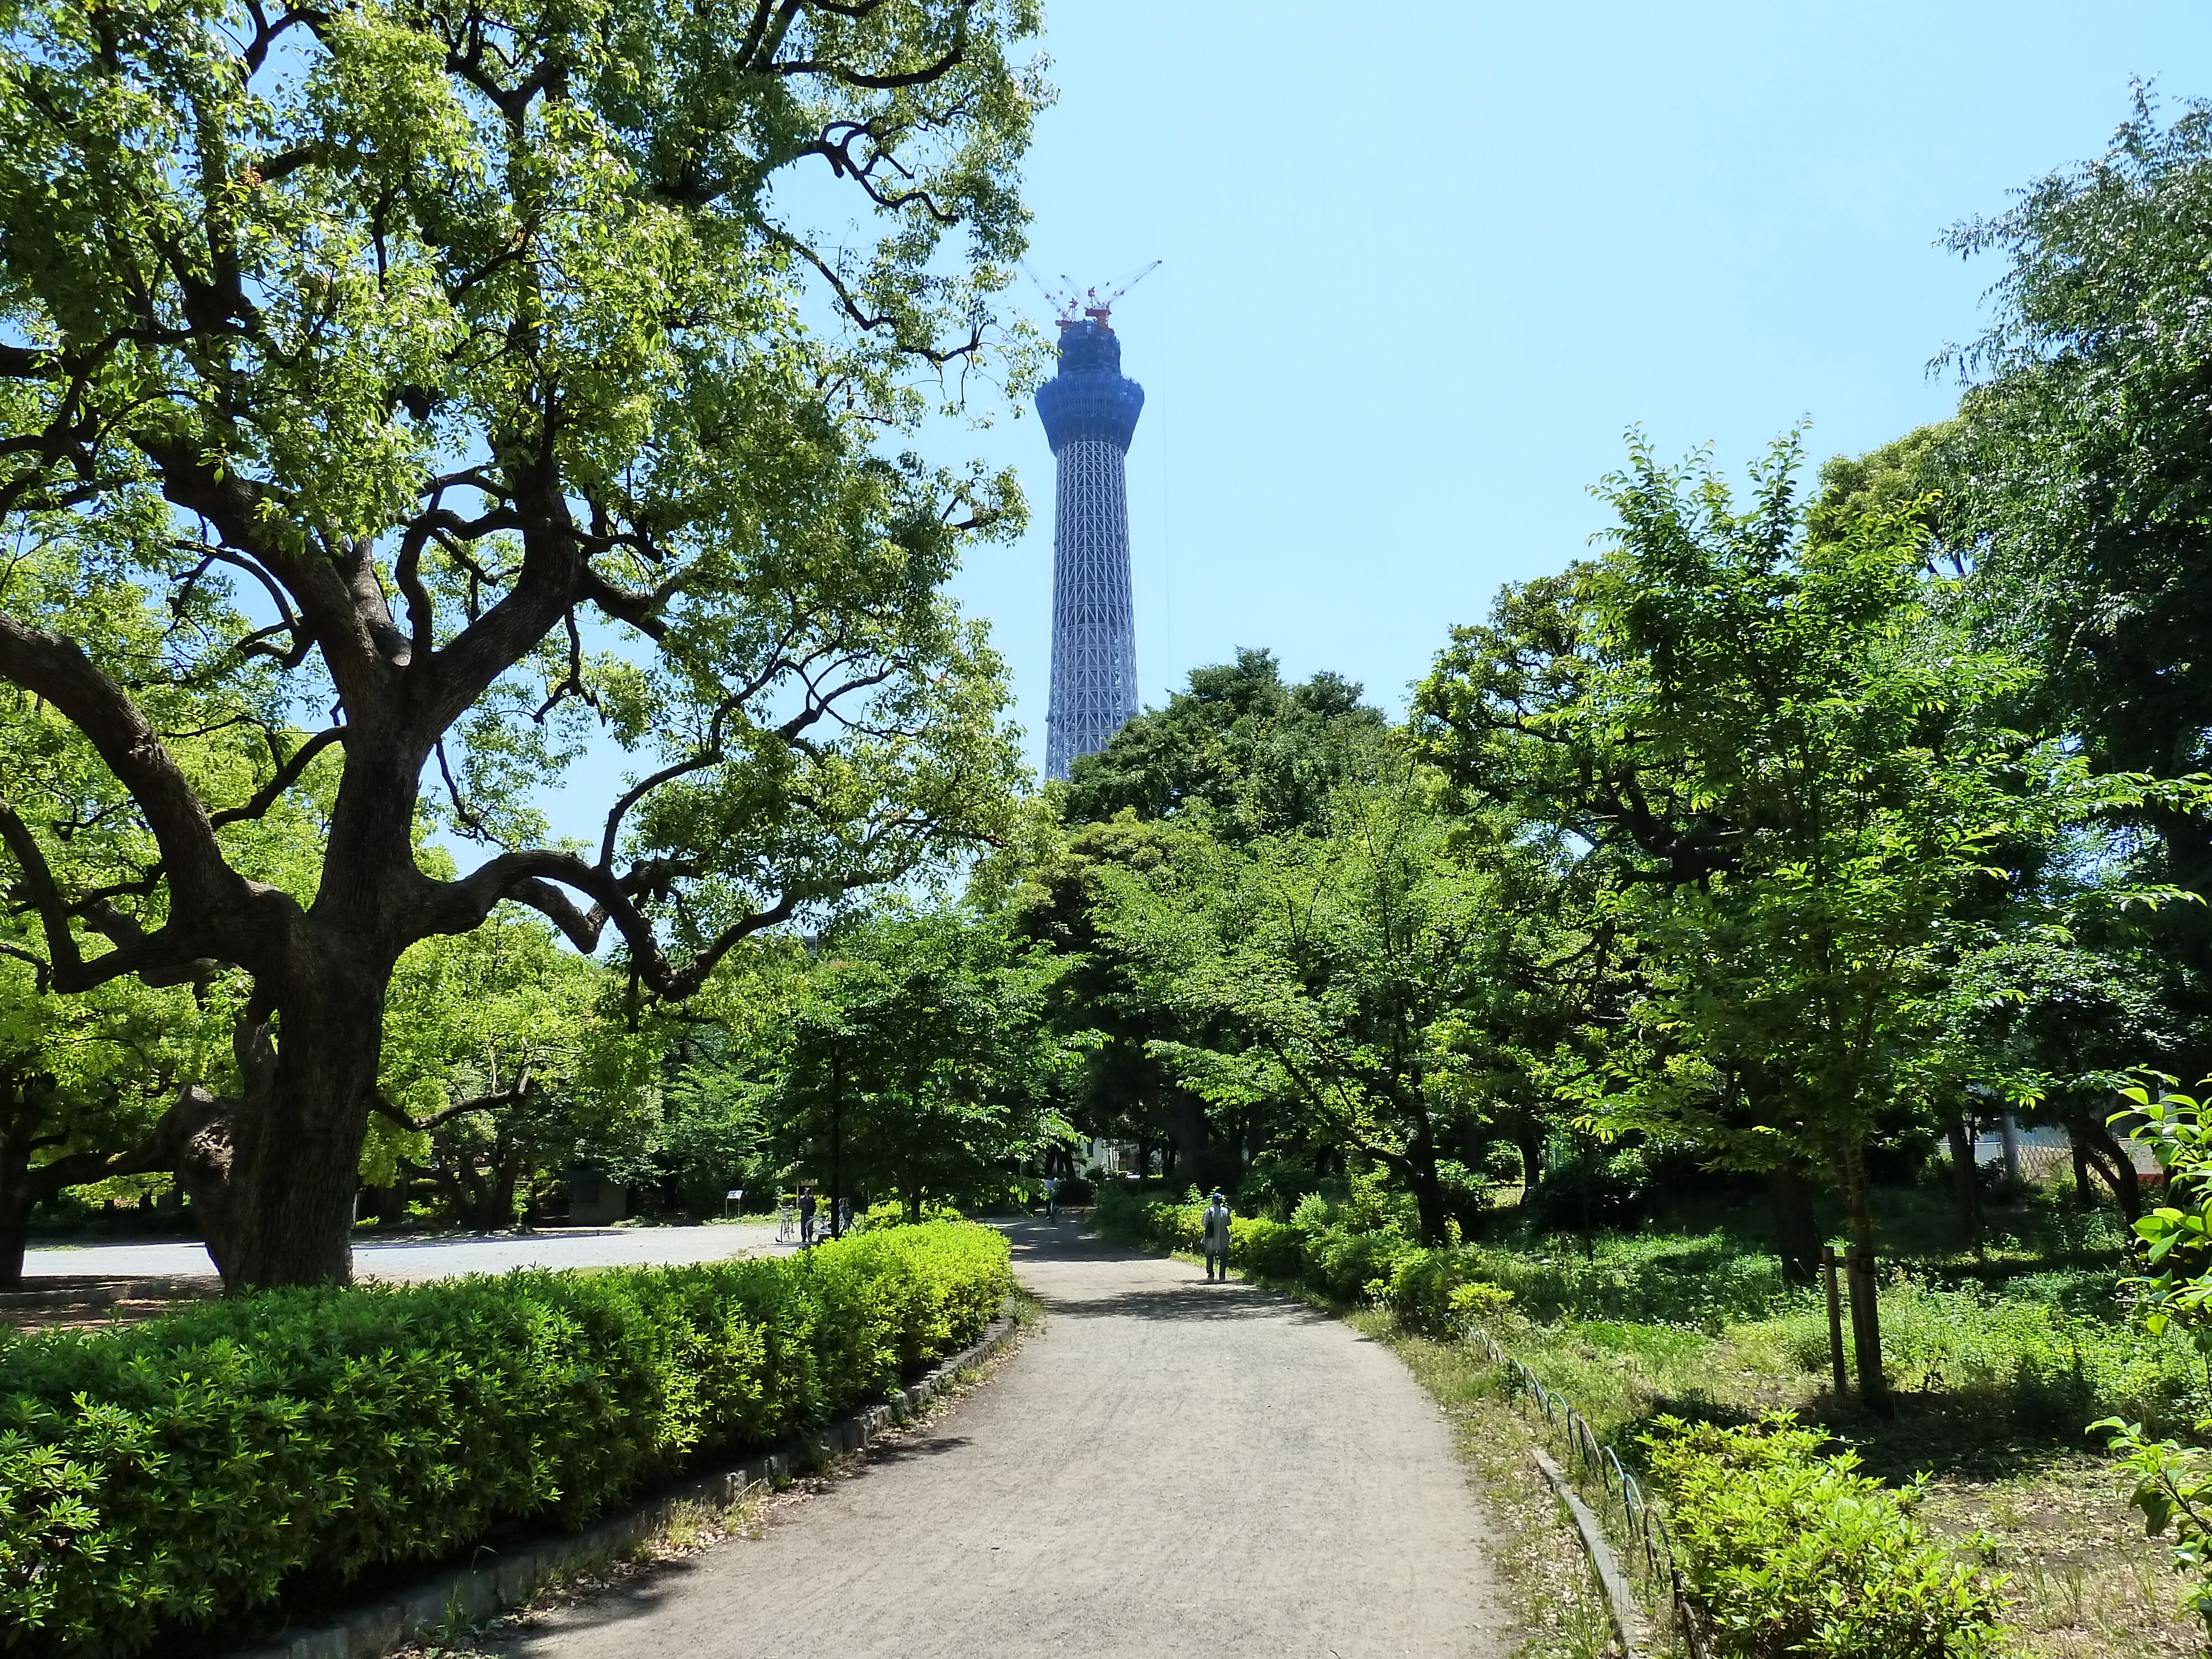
x: 65, y: 1292
x: 1619, y: 1600
x: 473, y: 1594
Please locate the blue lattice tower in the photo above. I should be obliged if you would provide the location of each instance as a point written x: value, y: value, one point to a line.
x: 1090, y: 410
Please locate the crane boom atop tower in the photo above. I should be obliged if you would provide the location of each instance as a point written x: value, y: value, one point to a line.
x: 1067, y: 303
x: 1070, y: 304
x: 1099, y: 310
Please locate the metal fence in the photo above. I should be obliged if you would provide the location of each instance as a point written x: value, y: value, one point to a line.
x: 1647, y: 1528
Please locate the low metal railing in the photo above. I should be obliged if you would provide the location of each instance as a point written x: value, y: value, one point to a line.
x: 1647, y: 1528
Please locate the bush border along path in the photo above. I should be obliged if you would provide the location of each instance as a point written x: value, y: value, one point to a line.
x: 467, y: 1596
x: 171, y: 1478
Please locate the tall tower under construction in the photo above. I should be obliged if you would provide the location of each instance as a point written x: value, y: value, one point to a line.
x: 1090, y: 410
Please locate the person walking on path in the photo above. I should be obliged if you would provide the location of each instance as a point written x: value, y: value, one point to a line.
x: 806, y: 1210
x: 1051, y: 1194
x: 1213, y: 1234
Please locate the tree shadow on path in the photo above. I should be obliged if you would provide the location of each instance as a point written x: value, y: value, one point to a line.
x: 1198, y: 1303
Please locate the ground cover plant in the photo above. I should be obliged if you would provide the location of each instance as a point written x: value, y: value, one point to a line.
x: 174, y: 1476
x: 1788, y: 1549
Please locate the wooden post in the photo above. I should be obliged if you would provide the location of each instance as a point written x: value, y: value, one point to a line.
x: 1866, y: 1343
x: 1835, y: 1320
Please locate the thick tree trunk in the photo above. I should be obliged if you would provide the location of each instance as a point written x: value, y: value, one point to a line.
x: 1866, y: 1313
x: 2093, y: 1146
x: 15, y: 1204
x: 272, y: 1176
x: 837, y: 1160
x: 1965, y: 1179
x: 1797, y: 1229
x: 1428, y: 1186
x: 1529, y: 1137
x: 18, y: 1125
x: 1189, y: 1136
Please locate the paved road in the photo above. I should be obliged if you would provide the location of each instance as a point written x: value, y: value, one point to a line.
x: 417, y: 1259
x: 1170, y: 1467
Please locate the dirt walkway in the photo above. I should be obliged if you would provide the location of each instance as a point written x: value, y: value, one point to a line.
x: 1170, y: 1467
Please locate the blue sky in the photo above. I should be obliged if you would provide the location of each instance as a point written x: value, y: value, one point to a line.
x: 1424, y: 267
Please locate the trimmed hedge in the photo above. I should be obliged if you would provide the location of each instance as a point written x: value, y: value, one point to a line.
x: 1792, y: 1552
x: 171, y: 1475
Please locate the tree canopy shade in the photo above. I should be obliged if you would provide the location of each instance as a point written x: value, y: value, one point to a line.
x: 441, y: 375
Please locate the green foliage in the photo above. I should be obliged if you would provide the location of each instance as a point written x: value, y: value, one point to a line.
x: 892, y: 1213
x: 466, y: 376
x: 171, y: 1476
x: 1821, y: 830
x: 1253, y: 756
x: 2174, y: 1481
x: 1368, y: 979
x: 496, y: 1065
x: 915, y: 1054
x: 2086, y: 442
x: 1790, y: 1551
x: 1822, y: 777
x: 1704, y: 1281
x: 2084, y: 458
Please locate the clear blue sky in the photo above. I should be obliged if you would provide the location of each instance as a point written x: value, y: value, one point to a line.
x: 1425, y: 263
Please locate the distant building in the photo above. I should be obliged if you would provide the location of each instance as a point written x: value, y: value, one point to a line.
x: 1090, y: 410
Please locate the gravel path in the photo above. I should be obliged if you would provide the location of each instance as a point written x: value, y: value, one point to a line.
x: 1169, y: 1468
x: 410, y: 1260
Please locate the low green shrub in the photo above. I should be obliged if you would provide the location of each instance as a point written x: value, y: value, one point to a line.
x: 175, y: 1475
x: 890, y: 1212
x: 1274, y: 1248
x: 1790, y: 1551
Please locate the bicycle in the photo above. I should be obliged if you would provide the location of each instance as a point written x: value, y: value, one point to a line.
x: 786, y: 1224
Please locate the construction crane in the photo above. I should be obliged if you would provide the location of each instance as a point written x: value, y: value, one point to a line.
x: 1070, y: 304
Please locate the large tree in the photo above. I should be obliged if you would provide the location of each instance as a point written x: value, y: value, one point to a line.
x: 917, y: 1055
x: 1237, y: 754
x: 1262, y: 755
x: 1348, y: 993
x: 2082, y: 474
x: 484, y: 1074
x: 1803, y: 779
x: 445, y: 375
